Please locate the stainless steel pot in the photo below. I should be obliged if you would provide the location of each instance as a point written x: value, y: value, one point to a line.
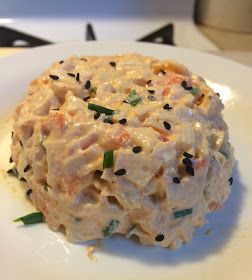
x: 233, y: 15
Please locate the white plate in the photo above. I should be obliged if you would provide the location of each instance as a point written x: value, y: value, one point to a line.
x: 35, y: 252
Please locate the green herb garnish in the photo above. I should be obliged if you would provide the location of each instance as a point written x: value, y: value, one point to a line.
x: 100, y: 109
x: 108, y: 159
x: 110, y: 228
x: 182, y: 213
x: 13, y: 172
x: 33, y: 218
x: 93, y: 91
x: 194, y: 91
x: 133, y: 98
x: 46, y: 187
x: 132, y: 227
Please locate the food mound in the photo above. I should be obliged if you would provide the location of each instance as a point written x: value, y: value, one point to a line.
x: 123, y: 144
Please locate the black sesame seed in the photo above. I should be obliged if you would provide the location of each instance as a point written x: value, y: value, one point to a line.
x: 185, y: 154
x: 21, y: 144
x: 167, y: 125
x: 54, y: 77
x: 151, y: 97
x: 122, y: 121
x: 98, y: 173
x: 27, y: 168
x: 108, y: 120
x: 86, y: 98
x: 62, y: 61
x: 159, y: 238
x: 120, y: 172
x: 10, y: 171
x: 218, y: 94
x: 12, y: 133
x: 112, y: 63
x: 176, y: 180
x: 163, y: 72
x: 137, y: 149
x: 151, y: 91
x: 22, y: 180
x: 55, y: 109
x: 148, y: 82
x: 78, y: 77
x: 187, y: 162
x: 230, y: 180
x: 29, y: 192
x: 10, y: 160
x: 167, y: 107
x: 184, y: 84
x: 87, y: 84
x: 78, y: 219
x: 83, y: 59
x: 96, y: 116
x: 71, y: 74
x: 189, y: 170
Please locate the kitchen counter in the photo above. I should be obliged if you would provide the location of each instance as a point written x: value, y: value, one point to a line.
x: 8, y: 51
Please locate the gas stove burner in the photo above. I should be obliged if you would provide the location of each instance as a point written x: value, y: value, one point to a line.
x: 163, y: 35
x: 13, y: 38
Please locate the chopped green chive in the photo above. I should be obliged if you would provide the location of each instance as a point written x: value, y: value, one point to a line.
x: 46, y: 187
x: 182, y: 213
x: 194, y: 91
x: 110, y: 228
x: 108, y: 159
x: 33, y: 218
x: 13, y: 172
x: 133, y: 98
x: 132, y: 227
x: 93, y: 91
x: 100, y: 109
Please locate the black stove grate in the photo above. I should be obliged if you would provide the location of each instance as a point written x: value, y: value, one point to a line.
x: 163, y: 35
x: 14, y: 38
x: 90, y: 35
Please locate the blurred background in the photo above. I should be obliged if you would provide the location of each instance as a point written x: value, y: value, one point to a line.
x: 221, y: 27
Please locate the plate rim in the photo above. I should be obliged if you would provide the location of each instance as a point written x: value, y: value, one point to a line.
x: 115, y: 42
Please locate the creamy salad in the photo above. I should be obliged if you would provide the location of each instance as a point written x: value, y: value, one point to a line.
x: 122, y: 144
